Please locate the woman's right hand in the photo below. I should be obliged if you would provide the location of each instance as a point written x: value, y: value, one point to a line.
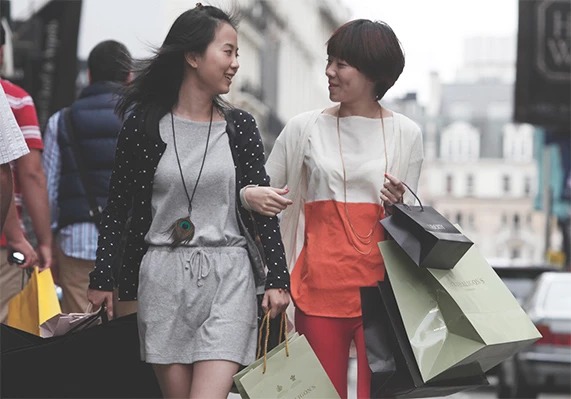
x: 98, y: 298
x: 23, y: 246
x: 267, y: 201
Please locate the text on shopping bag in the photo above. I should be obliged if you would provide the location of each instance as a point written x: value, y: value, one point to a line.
x: 426, y: 236
x: 456, y: 317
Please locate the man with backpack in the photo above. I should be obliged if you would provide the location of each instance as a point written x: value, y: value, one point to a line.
x: 79, y: 151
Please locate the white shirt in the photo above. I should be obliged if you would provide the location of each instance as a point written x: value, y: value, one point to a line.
x: 12, y: 143
x: 286, y: 166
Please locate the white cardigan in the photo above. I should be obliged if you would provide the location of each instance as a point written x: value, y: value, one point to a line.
x: 286, y: 168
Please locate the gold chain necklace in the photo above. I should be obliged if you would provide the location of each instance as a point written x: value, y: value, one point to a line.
x: 363, y: 239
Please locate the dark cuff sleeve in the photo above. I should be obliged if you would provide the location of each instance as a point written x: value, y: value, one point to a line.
x: 252, y: 160
x: 114, y: 215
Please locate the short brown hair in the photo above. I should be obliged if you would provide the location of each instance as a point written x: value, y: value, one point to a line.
x: 373, y: 48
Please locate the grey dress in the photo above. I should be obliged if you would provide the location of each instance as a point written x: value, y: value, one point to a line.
x: 196, y: 302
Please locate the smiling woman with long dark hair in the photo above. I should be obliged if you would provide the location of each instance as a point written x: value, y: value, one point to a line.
x: 344, y: 167
x: 190, y: 261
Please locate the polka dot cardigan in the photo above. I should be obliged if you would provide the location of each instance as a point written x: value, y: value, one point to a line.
x: 139, y: 150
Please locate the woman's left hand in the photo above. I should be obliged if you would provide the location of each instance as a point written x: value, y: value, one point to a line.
x: 392, y: 191
x: 276, y: 300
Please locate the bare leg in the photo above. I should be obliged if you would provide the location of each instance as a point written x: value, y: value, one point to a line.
x: 174, y: 379
x: 212, y: 379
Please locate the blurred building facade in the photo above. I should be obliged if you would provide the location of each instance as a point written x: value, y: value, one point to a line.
x: 479, y: 169
x: 490, y: 58
x: 282, y: 56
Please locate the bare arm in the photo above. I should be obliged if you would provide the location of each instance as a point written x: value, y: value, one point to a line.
x: 16, y: 241
x: 33, y: 186
x: 6, y: 191
x: 267, y: 201
x: 394, y: 191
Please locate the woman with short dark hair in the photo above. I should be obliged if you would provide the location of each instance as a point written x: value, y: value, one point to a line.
x: 344, y: 167
x: 182, y: 157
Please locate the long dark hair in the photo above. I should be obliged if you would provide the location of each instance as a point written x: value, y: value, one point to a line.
x: 154, y: 91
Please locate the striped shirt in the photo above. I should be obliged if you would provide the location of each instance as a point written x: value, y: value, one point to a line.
x: 77, y: 240
x: 24, y: 111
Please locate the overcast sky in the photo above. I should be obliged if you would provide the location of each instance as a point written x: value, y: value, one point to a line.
x: 431, y: 31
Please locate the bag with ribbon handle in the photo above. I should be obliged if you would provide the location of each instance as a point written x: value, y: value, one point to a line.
x: 288, y: 371
x: 426, y: 236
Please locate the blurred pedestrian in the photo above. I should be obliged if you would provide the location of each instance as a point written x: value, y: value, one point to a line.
x: 29, y: 186
x: 12, y: 147
x: 341, y: 165
x: 182, y: 156
x: 91, y: 144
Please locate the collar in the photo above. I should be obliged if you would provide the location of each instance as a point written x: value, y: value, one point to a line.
x: 151, y: 126
x: 97, y: 88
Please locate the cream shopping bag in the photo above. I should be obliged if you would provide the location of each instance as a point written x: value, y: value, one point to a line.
x: 289, y: 371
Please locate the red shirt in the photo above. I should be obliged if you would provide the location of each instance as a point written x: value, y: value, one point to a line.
x: 25, y: 113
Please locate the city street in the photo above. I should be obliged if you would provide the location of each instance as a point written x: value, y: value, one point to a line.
x: 392, y: 177
x: 484, y: 393
x: 489, y: 394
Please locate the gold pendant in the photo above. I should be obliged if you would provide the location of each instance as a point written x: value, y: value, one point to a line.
x: 182, y: 232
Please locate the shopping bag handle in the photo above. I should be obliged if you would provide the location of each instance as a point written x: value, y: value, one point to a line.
x: 415, y: 196
x: 26, y: 272
x: 90, y: 320
x: 283, y: 334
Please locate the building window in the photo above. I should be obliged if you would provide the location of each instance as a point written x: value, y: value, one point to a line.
x: 506, y: 184
x: 460, y: 111
x: 516, y: 221
x: 513, y: 150
x: 516, y: 253
x: 459, y: 218
x: 527, y: 186
x: 449, y: 184
x: 499, y: 110
x: 470, y: 185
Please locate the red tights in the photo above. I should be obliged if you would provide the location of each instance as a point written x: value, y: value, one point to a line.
x: 331, y: 339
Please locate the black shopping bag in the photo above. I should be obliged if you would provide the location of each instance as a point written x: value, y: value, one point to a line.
x: 395, y: 373
x: 12, y: 338
x: 426, y: 236
x: 98, y: 362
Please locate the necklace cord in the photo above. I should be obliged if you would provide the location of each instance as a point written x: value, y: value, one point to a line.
x: 363, y: 239
x: 189, y: 197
